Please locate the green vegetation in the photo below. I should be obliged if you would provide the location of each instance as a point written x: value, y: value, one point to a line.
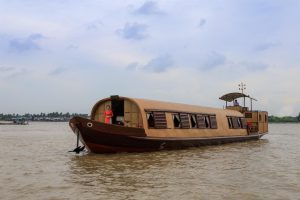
x: 285, y: 119
x: 53, y: 116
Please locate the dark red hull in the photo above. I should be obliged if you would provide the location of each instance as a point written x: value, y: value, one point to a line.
x: 105, y: 138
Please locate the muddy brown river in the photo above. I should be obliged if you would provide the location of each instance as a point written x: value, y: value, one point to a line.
x: 35, y: 164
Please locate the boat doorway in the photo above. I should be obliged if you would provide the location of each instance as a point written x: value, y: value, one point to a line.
x: 117, y: 107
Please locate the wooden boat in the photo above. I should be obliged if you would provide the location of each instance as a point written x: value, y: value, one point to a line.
x: 140, y: 125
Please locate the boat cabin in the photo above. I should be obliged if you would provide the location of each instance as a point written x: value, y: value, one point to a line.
x: 165, y: 119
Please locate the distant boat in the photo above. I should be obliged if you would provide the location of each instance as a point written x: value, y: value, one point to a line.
x: 140, y: 125
x: 15, y: 121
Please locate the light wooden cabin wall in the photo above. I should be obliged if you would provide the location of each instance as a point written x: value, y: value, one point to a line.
x: 259, y: 121
x: 132, y: 115
x: 263, y: 122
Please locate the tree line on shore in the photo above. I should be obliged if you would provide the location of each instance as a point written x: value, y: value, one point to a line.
x: 284, y: 119
x: 53, y: 116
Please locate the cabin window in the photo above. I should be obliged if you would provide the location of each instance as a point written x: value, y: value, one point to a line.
x: 176, y: 120
x: 184, y: 119
x: 213, y: 121
x: 200, y: 121
x: 150, y: 120
x: 266, y: 118
x: 230, y: 123
x: 160, y: 120
x: 156, y: 120
x: 239, y: 122
x: 236, y: 123
x: 193, y: 121
x: 207, y: 121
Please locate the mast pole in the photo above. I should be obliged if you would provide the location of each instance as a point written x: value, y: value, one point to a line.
x: 242, y: 87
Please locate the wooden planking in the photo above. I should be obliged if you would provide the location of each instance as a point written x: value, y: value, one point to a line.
x: 132, y: 116
x: 100, y: 113
x: 160, y: 120
x: 213, y: 121
x: 184, y: 119
x: 201, y: 121
x: 127, y: 106
x: 131, y: 119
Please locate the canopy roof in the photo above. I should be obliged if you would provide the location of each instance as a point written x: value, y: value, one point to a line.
x: 232, y: 96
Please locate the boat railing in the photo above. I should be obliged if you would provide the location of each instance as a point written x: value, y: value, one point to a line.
x: 238, y: 108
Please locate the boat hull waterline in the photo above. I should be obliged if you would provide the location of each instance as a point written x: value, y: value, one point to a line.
x: 99, y: 137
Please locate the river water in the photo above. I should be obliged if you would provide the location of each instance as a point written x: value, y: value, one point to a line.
x: 35, y: 164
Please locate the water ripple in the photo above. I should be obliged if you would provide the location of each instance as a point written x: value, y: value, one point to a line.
x: 35, y: 164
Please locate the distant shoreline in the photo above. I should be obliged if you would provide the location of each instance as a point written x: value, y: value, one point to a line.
x: 42, y: 117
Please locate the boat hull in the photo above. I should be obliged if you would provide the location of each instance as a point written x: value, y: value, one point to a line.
x: 105, y: 138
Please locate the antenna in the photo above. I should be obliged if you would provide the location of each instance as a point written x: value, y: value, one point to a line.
x: 242, y: 87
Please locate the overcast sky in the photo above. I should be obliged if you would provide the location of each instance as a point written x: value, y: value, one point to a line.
x: 64, y: 55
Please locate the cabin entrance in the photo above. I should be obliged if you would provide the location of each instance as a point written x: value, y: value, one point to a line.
x: 117, y: 106
x: 125, y: 112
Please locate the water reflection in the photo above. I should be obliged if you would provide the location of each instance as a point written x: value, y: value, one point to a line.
x: 127, y: 174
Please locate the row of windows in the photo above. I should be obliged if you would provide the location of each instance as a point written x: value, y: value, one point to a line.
x: 182, y: 120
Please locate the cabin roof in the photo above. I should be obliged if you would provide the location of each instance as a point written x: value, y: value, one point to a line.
x: 146, y: 104
x: 232, y: 96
